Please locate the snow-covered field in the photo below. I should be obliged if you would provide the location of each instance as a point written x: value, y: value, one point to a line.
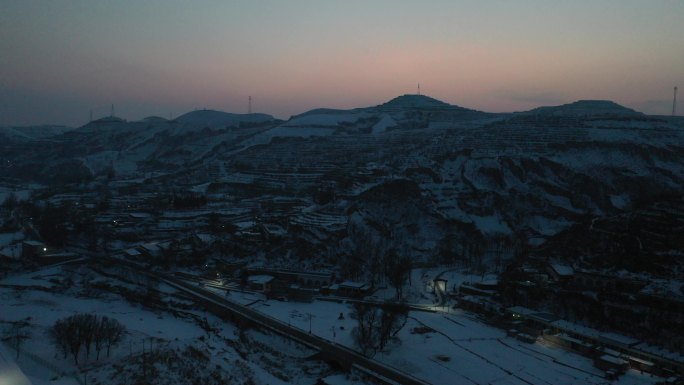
x: 450, y: 346
x: 20, y: 194
x: 459, y: 349
x: 181, y: 344
x: 10, y: 373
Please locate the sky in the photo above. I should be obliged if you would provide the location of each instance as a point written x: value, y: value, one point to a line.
x: 62, y: 59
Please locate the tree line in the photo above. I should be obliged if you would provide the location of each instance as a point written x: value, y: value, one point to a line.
x: 83, y: 332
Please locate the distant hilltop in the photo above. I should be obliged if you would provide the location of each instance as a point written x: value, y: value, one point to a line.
x: 586, y: 107
x: 423, y: 102
x: 208, y: 118
x: 220, y: 118
x: 415, y: 101
x: 404, y: 103
x: 33, y: 132
x: 400, y: 103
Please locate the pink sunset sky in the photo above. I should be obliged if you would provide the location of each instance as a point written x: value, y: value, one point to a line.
x: 61, y: 59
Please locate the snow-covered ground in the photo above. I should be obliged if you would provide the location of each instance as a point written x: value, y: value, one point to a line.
x: 10, y: 373
x: 447, y: 346
x: 459, y: 349
x: 20, y: 194
x: 180, y: 338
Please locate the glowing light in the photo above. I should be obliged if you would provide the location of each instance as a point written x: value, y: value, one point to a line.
x: 10, y: 374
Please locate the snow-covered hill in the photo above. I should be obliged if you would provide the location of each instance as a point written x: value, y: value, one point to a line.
x: 414, y: 101
x: 587, y: 108
x: 32, y: 132
x: 504, y: 177
x: 211, y: 118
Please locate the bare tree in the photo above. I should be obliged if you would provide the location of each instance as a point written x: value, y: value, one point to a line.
x: 82, y: 331
x: 18, y: 333
x: 99, y: 336
x: 114, y: 333
x: 367, y: 317
x: 73, y: 338
x: 59, y: 335
x: 393, y: 319
x: 377, y: 325
x: 87, y: 329
x: 397, y: 270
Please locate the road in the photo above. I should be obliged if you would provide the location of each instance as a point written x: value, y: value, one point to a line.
x: 242, y: 315
x: 329, y: 350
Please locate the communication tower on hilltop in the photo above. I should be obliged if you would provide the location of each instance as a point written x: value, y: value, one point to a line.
x: 112, y: 112
x: 418, y: 88
x: 674, y: 102
x: 249, y: 107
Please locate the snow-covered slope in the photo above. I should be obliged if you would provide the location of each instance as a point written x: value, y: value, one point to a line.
x: 33, y: 132
x: 503, y: 176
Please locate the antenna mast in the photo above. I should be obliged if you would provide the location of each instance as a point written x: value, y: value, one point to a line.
x: 112, y: 112
x: 674, y: 102
x: 418, y: 88
x: 249, y: 107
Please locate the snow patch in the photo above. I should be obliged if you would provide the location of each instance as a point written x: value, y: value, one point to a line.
x: 384, y: 123
x: 491, y: 224
x: 621, y: 201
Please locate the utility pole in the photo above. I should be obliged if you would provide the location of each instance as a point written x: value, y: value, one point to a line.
x: 311, y: 316
x: 144, y: 364
x: 674, y: 102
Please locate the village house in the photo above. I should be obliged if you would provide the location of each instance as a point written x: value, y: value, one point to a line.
x: 351, y: 289
x: 261, y: 283
x: 596, y: 344
x: 308, y: 279
x: 33, y: 249
x: 597, y: 281
x: 589, y: 280
x: 559, y: 272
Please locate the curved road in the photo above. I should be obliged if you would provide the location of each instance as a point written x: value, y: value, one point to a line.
x: 329, y: 350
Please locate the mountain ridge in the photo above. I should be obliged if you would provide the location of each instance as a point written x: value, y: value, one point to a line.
x: 586, y: 107
x: 220, y: 118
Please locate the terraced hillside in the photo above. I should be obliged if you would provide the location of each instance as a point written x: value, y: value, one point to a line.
x: 484, y: 184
